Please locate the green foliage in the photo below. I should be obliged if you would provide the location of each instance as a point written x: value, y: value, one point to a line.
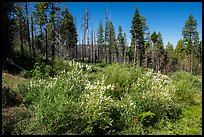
x: 100, y: 34
x: 98, y: 109
x: 68, y: 29
x: 137, y: 32
x: 187, y: 85
x: 189, y: 124
x: 26, y: 74
x: 119, y: 76
x: 137, y: 28
x: 154, y: 37
x: 148, y: 91
x: 147, y: 118
x: 40, y: 70
x: 155, y: 92
x: 189, y: 31
x: 53, y: 101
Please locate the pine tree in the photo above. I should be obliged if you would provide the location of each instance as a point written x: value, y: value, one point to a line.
x: 111, y: 39
x: 19, y: 12
x: 53, y: 28
x: 169, y: 58
x: 157, y: 51
x: 120, y: 42
x: 28, y: 28
x: 189, y: 34
x: 7, y: 7
x: 145, y: 28
x: 138, y: 35
x: 179, y: 54
x: 68, y: 30
x: 153, y: 38
x: 197, y: 54
x: 160, y: 47
x: 100, y: 38
x: 32, y: 34
x: 106, y: 37
x: 124, y: 47
x: 40, y: 18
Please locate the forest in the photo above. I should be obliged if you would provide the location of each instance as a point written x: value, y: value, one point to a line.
x: 55, y: 82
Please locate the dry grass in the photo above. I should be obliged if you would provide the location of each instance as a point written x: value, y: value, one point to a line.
x: 14, y: 81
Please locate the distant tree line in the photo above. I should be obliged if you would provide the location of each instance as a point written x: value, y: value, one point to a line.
x: 49, y: 31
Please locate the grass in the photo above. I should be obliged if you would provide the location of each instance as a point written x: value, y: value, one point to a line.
x: 12, y: 115
x: 13, y: 81
x: 189, y: 124
x: 13, y: 111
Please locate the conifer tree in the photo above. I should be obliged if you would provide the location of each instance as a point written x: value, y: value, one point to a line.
x: 120, y: 42
x: 189, y: 33
x: 111, y: 39
x: 100, y: 39
x: 124, y: 47
x: 138, y: 35
x: 68, y: 30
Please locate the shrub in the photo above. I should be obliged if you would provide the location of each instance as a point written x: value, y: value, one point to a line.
x: 121, y: 77
x: 97, y: 108
x: 40, y: 70
x: 55, y: 102
x: 147, y: 118
x: 141, y: 92
x: 187, y: 86
x: 26, y: 74
x: 154, y: 93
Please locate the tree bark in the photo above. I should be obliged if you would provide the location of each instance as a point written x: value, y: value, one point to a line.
x: 32, y: 36
x: 46, y: 52
x: 21, y: 38
x: 53, y: 34
x: 28, y: 30
x: 41, y: 40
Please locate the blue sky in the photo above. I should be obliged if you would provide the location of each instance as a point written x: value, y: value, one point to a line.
x: 165, y: 17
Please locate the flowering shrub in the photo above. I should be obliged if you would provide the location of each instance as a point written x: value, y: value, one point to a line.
x: 120, y: 76
x: 54, y: 101
x: 69, y: 65
x: 97, y: 108
x: 155, y: 92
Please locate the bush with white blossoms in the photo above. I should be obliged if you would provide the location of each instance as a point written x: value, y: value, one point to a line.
x: 97, y: 108
x: 155, y: 92
x: 70, y: 65
x: 54, y: 101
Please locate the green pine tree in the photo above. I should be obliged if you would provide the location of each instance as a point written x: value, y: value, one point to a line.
x: 137, y: 32
x: 189, y: 33
x: 120, y: 43
x: 100, y: 39
x: 68, y: 30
